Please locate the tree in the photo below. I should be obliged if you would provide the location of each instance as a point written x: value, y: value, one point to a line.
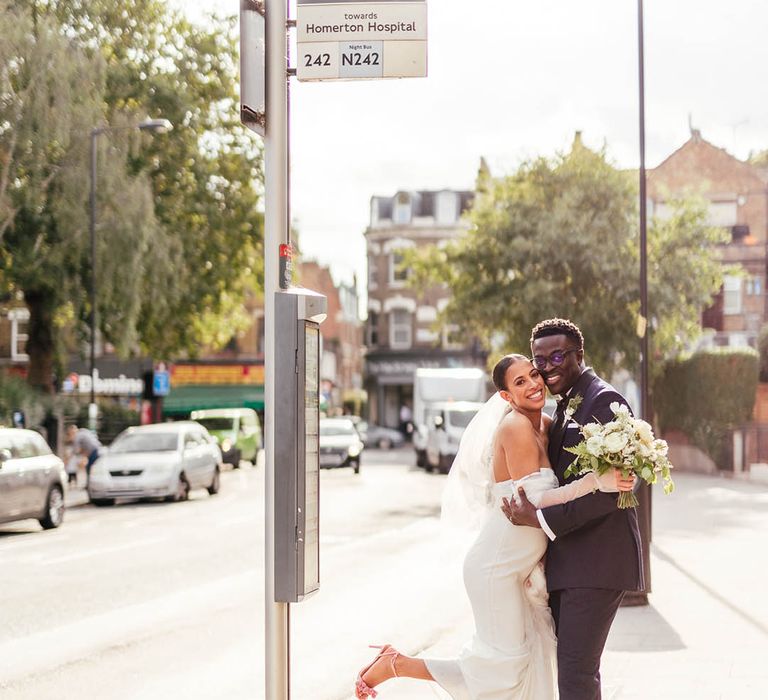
x: 206, y: 176
x: 559, y: 238
x: 50, y: 97
x: 180, y: 234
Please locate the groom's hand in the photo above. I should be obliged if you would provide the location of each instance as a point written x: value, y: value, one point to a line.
x: 523, y: 514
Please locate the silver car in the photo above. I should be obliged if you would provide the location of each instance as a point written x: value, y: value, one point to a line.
x: 165, y: 460
x: 32, y: 479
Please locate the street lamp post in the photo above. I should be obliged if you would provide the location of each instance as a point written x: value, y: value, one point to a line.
x: 643, y: 325
x: 159, y: 126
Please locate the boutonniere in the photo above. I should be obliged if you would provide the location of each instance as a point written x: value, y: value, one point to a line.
x: 573, y: 405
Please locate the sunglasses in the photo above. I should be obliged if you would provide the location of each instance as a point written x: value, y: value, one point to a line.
x: 556, y: 359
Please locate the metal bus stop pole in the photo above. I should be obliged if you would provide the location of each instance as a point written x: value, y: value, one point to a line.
x: 276, y: 232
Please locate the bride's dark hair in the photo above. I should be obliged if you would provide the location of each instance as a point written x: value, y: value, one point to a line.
x: 500, y: 370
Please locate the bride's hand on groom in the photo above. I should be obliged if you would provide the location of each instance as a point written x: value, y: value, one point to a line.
x: 522, y: 514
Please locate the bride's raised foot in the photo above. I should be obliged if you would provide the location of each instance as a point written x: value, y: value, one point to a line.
x: 382, y: 668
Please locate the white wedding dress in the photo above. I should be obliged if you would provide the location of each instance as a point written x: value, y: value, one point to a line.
x: 512, y: 655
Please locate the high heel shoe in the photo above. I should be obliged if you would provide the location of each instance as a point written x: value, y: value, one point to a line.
x: 362, y: 689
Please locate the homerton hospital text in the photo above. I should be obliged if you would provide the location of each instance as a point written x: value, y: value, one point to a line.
x: 379, y: 27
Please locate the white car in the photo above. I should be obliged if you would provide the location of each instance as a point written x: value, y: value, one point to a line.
x: 32, y: 479
x: 340, y: 444
x: 448, y: 421
x: 165, y: 460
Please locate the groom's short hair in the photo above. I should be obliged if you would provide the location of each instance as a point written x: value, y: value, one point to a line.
x: 558, y: 326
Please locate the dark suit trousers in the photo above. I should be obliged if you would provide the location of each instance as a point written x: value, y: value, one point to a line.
x: 583, y: 618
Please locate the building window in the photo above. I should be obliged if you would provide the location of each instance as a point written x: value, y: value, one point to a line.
x: 722, y: 213
x: 398, y: 274
x: 19, y: 319
x: 402, y: 213
x: 400, y: 329
x: 373, y: 329
x: 452, y: 337
x: 731, y: 295
x: 753, y: 286
x: 371, y: 272
x: 447, y: 207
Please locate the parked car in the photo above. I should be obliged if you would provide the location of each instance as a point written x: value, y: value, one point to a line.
x: 340, y: 444
x: 447, y: 426
x: 237, y: 430
x: 374, y: 435
x: 165, y: 460
x: 32, y: 479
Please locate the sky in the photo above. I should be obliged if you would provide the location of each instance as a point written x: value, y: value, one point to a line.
x: 511, y: 80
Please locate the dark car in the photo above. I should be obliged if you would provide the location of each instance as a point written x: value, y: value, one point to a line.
x: 374, y: 435
x: 340, y: 444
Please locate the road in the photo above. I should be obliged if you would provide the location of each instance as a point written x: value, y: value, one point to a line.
x: 151, y: 601
x: 156, y: 600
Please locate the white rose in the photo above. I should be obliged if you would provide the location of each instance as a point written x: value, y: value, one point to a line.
x: 644, y: 432
x: 591, y: 430
x: 619, y: 409
x: 595, y: 445
x: 661, y: 447
x: 615, y: 442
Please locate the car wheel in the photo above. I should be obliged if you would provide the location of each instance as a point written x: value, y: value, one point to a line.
x: 100, y: 502
x: 421, y: 459
x: 385, y: 443
x: 54, y: 509
x: 356, y: 466
x: 236, y: 460
x: 214, y: 487
x: 445, y: 463
x: 182, y: 490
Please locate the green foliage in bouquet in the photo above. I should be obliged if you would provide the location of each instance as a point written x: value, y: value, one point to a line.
x: 706, y: 395
x: 624, y: 443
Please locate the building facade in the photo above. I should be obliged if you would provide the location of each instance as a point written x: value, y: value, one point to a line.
x: 341, y: 353
x: 403, y: 332
x: 736, y: 195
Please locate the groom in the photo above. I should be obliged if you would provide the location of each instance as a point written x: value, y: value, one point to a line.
x: 594, y: 554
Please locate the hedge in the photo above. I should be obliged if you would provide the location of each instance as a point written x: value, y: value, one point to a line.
x: 706, y: 395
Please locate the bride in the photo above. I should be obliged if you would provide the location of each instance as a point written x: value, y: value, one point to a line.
x: 512, y: 655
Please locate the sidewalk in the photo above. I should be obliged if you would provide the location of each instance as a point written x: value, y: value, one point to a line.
x: 75, y: 496
x: 704, y: 634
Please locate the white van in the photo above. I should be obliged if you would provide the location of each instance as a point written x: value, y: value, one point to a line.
x: 433, y: 387
x: 447, y: 424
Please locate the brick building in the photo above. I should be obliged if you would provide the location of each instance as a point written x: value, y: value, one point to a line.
x: 736, y: 194
x: 341, y: 361
x: 401, y: 331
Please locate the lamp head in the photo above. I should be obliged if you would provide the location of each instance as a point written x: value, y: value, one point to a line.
x: 158, y: 126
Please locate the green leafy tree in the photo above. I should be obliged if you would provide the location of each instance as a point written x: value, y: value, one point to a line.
x: 51, y: 94
x: 206, y: 175
x: 180, y: 234
x: 559, y: 238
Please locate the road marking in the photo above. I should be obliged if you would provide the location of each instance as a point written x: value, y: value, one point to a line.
x: 103, y: 550
x: 44, y: 538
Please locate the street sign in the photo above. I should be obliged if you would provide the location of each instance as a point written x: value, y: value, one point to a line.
x: 161, y: 383
x: 352, y: 40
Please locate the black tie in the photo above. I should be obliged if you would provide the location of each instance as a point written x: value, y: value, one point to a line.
x: 562, y: 404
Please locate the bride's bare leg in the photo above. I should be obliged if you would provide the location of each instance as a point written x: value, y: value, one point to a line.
x: 404, y: 667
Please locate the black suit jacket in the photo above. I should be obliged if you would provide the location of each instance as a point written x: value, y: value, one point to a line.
x: 597, y: 545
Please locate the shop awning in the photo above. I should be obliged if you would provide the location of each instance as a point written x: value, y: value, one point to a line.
x: 188, y: 398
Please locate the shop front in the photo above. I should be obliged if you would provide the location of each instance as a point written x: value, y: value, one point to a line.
x: 217, y: 384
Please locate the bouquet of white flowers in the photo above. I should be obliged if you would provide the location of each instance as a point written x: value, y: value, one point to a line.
x: 624, y: 443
